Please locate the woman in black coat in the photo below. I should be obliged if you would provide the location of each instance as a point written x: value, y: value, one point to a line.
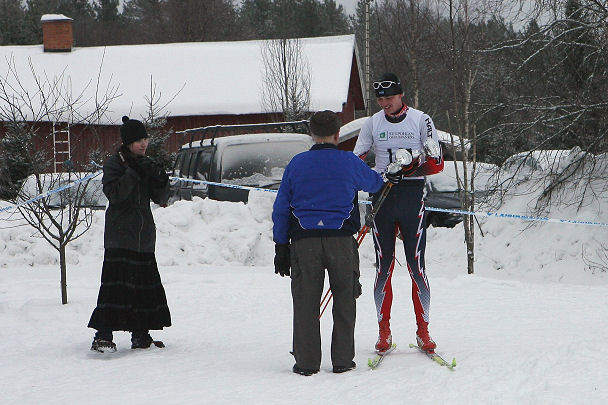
x: 131, y: 296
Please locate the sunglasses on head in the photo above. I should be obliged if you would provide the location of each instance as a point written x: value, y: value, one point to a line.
x: 385, y: 84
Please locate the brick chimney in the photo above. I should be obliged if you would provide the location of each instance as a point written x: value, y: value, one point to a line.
x: 56, y: 33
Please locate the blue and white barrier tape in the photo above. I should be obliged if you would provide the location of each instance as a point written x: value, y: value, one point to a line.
x: 228, y: 185
x: 518, y: 216
x: 236, y: 186
x: 48, y: 193
x: 451, y: 211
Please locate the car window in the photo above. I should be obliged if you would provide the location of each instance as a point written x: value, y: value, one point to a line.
x: 187, y: 162
x: 203, y: 164
x: 192, y: 168
x: 255, y: 164
x: 178, y: 165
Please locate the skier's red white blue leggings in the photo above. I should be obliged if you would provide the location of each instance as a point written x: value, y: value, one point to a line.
x: 402, y: 210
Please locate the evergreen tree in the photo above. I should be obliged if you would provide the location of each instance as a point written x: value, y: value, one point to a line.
x: 108, y: 23
x: 334, y: 19
x: 145, y: 21
x: 255, y: 18
x: 158, y: 136
x: 309, y: 19
x: 278, y: 19
x: 18, y: 159
x: 34, y: 10
x: 13, y: 29
x: 201, y: 20
x: 81, y: 11
x: 106, y: 11
x: 578, y: 47
x: 284, y: 19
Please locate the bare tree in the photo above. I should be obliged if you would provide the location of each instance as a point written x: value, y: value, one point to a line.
x: 66, y: 214
x: 600, y: 262
x: 562, y: 100
x: 286, y: 82
x: 462, y: 66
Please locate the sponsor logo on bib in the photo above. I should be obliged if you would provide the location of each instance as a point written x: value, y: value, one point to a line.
x: 386, y: 135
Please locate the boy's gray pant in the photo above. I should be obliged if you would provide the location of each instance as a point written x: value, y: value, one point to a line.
x: 309, y: 259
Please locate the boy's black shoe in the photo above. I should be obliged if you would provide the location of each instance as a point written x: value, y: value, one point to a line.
x: 342, y: 369
x: 144, y: 342
x: 303, y: 371
x: 103, y: 345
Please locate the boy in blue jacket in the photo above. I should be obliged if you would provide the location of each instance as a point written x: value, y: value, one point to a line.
x: 315, y: 216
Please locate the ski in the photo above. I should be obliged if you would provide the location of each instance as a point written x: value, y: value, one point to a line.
x: 436, y: 358
x: 373, y: 363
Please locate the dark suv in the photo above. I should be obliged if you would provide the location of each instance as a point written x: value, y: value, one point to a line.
x: 445, y: 199
x: 253, y: 159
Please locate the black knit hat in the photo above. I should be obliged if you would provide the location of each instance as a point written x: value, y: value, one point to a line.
x: 132, y: 130
x: 387, y: 85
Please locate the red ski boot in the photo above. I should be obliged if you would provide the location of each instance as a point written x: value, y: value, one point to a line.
x: 424, y: 340
x: 385, y: 339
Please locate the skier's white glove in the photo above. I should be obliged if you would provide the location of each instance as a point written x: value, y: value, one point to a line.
x: 432, y: 148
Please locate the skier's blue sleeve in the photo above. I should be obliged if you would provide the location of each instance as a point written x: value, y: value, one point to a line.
x: 281, y: 210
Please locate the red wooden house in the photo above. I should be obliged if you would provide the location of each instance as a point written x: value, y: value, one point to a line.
x: 192, y: 84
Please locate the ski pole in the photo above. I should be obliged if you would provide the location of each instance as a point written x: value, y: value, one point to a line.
x: 369, y: 221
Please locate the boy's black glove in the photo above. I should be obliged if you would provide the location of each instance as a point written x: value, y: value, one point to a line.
x: 147, y: 165
x: 394, y: 178
x: 148, y: 170
x: 282, y: 260
x: 137, y: 164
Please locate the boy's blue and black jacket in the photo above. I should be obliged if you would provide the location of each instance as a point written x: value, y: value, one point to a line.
x: 318, y: 194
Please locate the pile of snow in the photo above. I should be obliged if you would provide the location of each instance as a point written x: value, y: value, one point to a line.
x: 209, y: 232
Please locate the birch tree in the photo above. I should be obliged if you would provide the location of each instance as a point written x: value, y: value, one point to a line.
x: 286, y: 79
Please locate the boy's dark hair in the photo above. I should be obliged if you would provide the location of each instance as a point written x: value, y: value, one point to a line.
x: 324, y: 123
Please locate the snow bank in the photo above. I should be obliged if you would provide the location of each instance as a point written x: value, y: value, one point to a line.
x: 208, y: 232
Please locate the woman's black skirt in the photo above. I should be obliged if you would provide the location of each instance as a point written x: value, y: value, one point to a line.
x: 131, y: 296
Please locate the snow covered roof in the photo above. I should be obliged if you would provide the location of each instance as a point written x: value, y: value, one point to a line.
x: 198, y: 78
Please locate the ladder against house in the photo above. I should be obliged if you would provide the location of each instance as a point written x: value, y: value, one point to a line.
x: 61, y: 145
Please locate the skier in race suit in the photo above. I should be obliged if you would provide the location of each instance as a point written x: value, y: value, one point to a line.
x: 395, y: 127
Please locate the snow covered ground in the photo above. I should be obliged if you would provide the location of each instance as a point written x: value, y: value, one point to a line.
x: 529, y: 327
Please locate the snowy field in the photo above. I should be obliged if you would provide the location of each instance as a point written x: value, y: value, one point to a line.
x: 529, y: 327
